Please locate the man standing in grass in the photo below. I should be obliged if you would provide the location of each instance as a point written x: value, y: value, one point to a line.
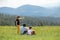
x: 18, y: 24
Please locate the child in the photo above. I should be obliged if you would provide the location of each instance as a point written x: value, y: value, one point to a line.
x: 30, y: 31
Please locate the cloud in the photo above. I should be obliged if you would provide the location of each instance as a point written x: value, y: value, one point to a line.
x: 3, y: 1
x: 17, y: 3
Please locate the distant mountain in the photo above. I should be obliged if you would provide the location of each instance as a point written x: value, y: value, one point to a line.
x: 56, y: 12
x: 7, y: 10
x: 31, y: 10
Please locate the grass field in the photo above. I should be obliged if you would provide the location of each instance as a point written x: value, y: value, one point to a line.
x: 42, y: 33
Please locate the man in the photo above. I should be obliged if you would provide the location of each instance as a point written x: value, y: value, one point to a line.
x: 23, y: 29
x: 17, y: 23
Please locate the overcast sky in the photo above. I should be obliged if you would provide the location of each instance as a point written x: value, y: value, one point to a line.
x: 17, y: 3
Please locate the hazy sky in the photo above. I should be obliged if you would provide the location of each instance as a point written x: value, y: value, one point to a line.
x: 17, y: 3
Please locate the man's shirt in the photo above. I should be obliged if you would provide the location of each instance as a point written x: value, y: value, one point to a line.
x: 22, y: 29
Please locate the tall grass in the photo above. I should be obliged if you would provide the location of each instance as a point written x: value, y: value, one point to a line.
x: 42, y: 33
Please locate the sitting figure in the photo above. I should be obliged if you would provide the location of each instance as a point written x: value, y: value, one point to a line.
x: 23, y: 29
x: 30, y: 31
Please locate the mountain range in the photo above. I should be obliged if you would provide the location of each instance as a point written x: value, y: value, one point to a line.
x: 32, y: 10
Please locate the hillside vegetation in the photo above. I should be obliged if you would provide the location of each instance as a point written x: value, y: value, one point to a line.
x: 9, y: 20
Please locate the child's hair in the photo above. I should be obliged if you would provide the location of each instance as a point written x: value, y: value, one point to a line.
x: 30, y: 27
x: 33, y: 32
x: 24, y: 25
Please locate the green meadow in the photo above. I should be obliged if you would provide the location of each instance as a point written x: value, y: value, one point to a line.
x: 42, y: 33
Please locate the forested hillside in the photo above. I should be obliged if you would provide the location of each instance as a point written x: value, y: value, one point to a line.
x: 9, y: 20
x: 6, y: 19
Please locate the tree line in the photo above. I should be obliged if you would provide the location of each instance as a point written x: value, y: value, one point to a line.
x: 9, y: 20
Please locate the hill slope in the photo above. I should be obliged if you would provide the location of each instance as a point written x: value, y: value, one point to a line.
x: 31, y: 10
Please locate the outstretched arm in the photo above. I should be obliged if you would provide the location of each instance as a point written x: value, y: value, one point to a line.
x: 21, y: 17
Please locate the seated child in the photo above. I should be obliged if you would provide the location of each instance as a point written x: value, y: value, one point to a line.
x: 30, y: 31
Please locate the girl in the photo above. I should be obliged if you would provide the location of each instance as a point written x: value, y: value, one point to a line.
x: 30, y: 31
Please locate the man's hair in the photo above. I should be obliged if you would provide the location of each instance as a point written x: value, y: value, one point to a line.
x: 24, y: 25
x: 18, y: 16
